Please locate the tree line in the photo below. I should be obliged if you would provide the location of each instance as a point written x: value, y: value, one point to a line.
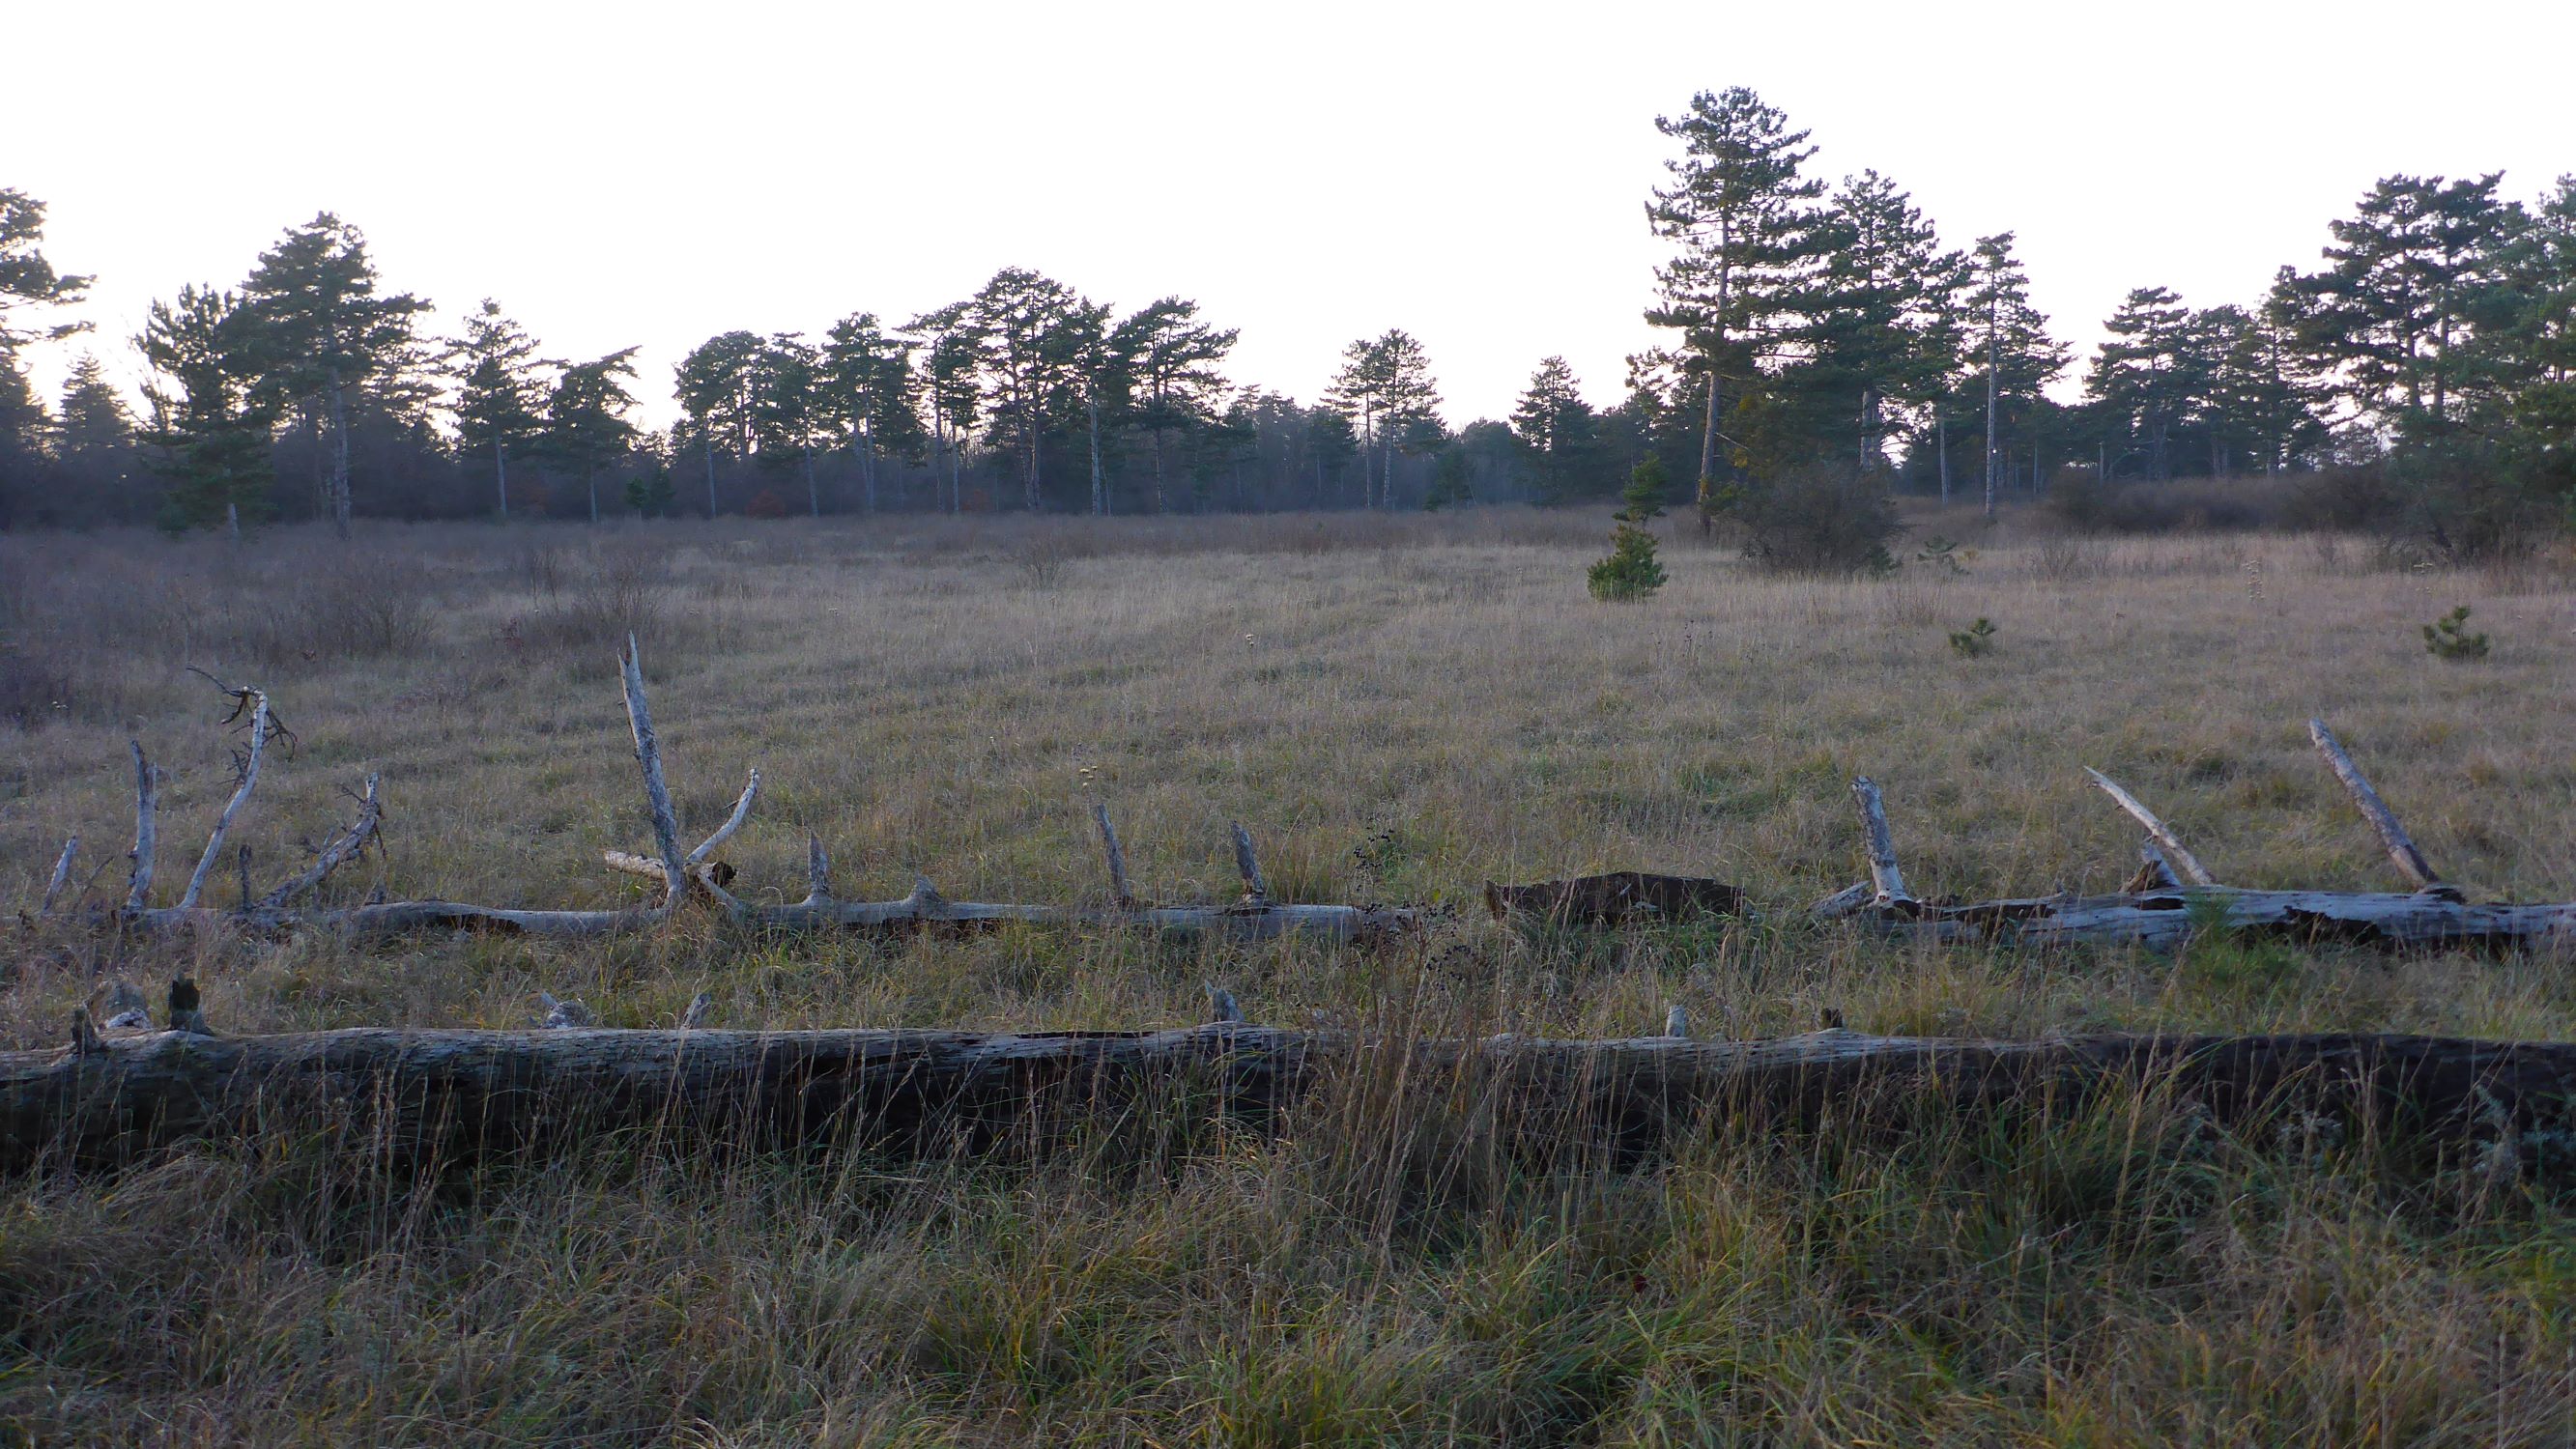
x: 1824, y: 349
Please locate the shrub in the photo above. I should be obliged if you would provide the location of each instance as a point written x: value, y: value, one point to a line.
x: 1815, y: 519
x: 767, y: 503
x: 1976, y: 639
x: 2448, y: 637
x: 1630, y: 572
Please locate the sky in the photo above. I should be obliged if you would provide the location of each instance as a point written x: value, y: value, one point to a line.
x: 648, y: 175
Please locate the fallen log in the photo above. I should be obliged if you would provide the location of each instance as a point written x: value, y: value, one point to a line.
x: 2173, y: 896
x: 462, y: 1092
x: 701, y: 880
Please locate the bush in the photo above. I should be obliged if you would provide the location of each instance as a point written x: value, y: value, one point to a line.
x: 1976, y: 639
x: 767, y: 503
x: 1815, y: 519
x: 1630, y: 572
x: 2449, y: 638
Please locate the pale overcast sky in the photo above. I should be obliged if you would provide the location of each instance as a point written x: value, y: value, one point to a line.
x: 651, y: 174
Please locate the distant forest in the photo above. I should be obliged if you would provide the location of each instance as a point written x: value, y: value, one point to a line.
x: 1808, y: 328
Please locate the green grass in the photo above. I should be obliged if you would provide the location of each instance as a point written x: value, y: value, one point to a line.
x: 1421, y: 706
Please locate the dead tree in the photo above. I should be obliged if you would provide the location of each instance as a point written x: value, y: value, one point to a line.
x: 2173, y: 894
x: 702, y: 880
x: 463, y: 1092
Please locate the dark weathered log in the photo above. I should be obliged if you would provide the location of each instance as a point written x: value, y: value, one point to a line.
x: 461, y: 1090
x: 1609, y: 900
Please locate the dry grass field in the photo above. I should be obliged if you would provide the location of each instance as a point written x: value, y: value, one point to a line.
x: 1399, y: 709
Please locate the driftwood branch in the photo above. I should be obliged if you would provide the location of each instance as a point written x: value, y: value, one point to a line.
x: 733, y: 822
x: 60, y: 878
x: 147, y: 800
x: 648, y: 755
x: 1120, y: 894
x: 2410, y: 862
x: 2173, y: 896
x: 465, y: 1091
x: 2176, y: 854
x: 1256, y: 891
x: 258, y: 701
x: 336, y: 852
x: 1880, y: 843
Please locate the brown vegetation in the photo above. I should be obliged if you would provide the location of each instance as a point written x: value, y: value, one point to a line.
x: 1406, y: 708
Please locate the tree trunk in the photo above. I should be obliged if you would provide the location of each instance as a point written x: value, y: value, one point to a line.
x: 865, y: 445
x: 1941, y: 435
x: 590, y: 485
x: 232, y: 519
x: 1991, y: 353
x: 1161, y: 505
x: 501, y: 476
x: 711, y: 475
x: 1099, y: 484
x: 453, y: 1094
x: 813, y: 489
x: 339, y: 456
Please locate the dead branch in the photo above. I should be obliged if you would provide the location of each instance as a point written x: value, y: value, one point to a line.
x: 1255, y: 917
x: 258, y: 703
x: 2174, y: 896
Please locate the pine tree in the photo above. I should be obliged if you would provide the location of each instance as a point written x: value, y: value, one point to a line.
x: 499, y: 388
x: 2018, y: 356
x: 210, y: 436
x: 585, y: 420
x: 1882, y: 329
x: 28, y: 282
x: 2394, y: 317
x: 869, y: 391
x: 92, y: 418
x: 789, y: 415
x: 1386, y: 382
x: 1631, y: 570
x: 2145, y: 375
x: 1017, y: 324
x: 1741, y: 212
x: 1556, y: 427
x: 716, y: 392
x: 325, y: 334
x: 1174, y: 362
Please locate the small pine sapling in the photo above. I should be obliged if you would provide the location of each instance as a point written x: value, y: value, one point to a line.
x: 1976, y: 639
x: 1631, y: 572
x: 2449, y: 638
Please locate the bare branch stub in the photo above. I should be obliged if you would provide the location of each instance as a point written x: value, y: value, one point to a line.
x: 1120, y: 893
x: 336, y: 852
x: 147, y: 796
x: 1256, y: 891
x: 61, y: 877
x: 818, y: 872
x: 2155, y: 873
x: 257, y: 702
x: 733, y: 822
x: 2177, y: 854
x: 1881, y: 842
x: 648, y: 756
x: 2410, y: 861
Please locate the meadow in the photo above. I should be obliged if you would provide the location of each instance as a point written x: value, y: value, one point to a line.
x: 1399, y: 709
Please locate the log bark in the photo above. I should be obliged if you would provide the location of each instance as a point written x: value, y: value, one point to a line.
x: 465, y: 1091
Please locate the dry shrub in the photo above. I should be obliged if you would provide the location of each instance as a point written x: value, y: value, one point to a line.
x: 601, y: 595
x: 36, y: 685
x: 2065, y: 559
x: 361, y: 605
